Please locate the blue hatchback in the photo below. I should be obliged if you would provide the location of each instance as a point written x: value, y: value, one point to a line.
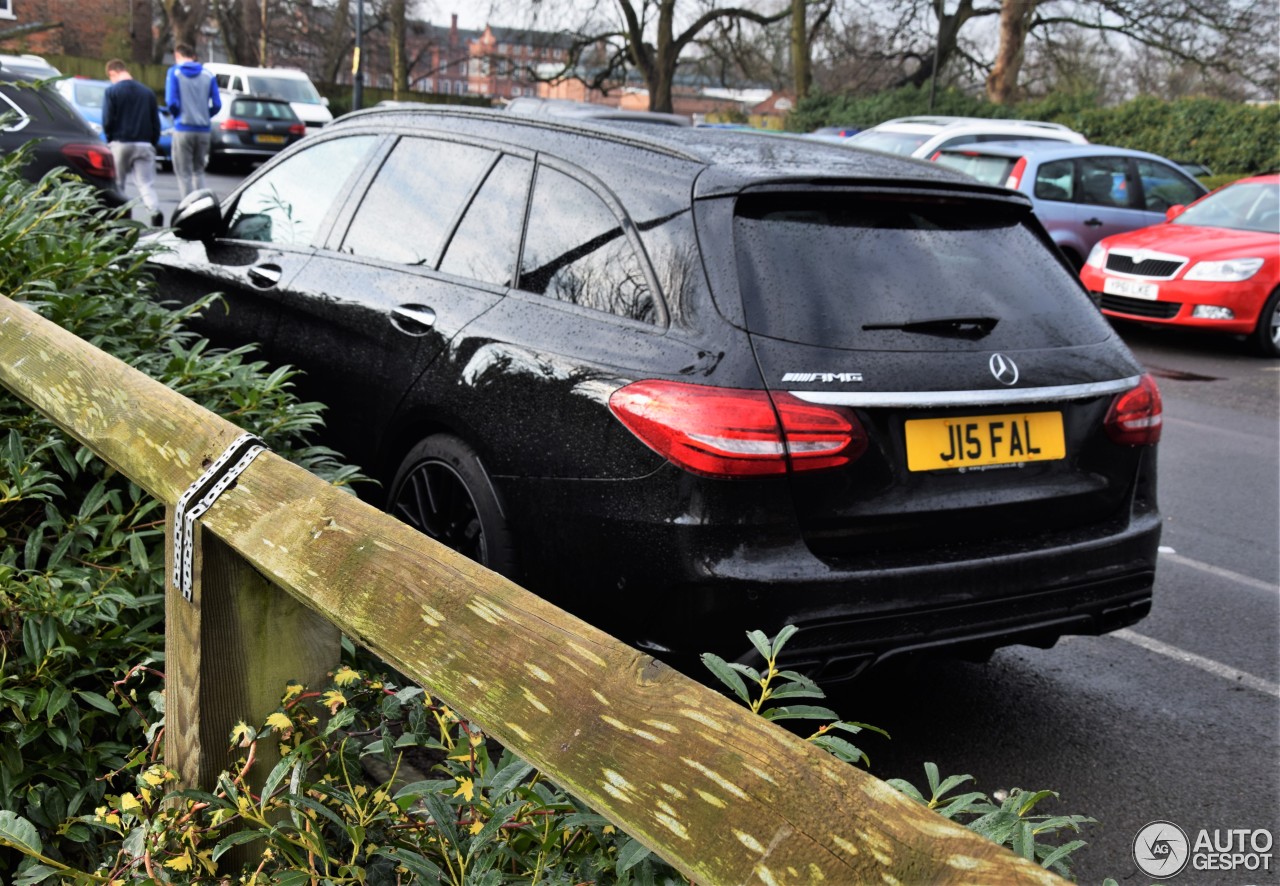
x: 1081, y: 193
x: 86, y: 96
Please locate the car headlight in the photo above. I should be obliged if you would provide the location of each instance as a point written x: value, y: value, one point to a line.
x: 1233, y: 270
x: 1097, y: 256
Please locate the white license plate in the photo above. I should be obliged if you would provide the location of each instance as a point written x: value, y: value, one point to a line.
x: 1130, y: 288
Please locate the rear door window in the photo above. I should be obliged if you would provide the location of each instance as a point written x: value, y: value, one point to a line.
x: 577, y: 251
x: 414, y: 201
x: 878, y: 272
x: 485, y: 244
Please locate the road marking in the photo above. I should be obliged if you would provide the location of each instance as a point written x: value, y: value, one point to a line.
x: 1247, y: 580
x: 1208, y: 665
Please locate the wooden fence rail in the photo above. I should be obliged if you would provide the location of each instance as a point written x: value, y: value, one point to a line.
x: 720, y: 793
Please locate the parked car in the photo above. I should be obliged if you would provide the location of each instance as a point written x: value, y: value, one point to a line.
x: 1081, y: 193
x: 290, y: 84
x: 924, y: 136
x: 87, y: 96
x: 837, y: 131
x: 627, y: 367
x: 252, y: 127
x: 31, y: 67
x: 1213, y: 266
x: 57, y: 136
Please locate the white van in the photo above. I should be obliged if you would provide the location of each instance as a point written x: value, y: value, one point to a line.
x: 287, y: 83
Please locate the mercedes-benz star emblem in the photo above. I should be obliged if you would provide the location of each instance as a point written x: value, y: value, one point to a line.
x: 1004, y: 369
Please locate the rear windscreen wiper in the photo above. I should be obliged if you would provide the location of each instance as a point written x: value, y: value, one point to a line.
x: 956, y: 327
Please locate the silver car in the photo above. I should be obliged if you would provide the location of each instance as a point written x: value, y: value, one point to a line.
x: 1081, y: 193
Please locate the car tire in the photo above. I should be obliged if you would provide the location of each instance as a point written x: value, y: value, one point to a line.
x: 442, y: 490
x: 1266, y: 335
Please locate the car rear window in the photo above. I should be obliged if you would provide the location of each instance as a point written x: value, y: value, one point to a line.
x: 984, y: 167
x: 904, y: 273
x: 262, y: 110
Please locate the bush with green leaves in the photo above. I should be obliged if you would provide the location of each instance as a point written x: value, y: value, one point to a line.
x: 81, y: 548
x: 83, y: 796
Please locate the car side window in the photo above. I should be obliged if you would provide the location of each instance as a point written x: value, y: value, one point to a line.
x: 1163, y: 186
x: 1055, y: 181
x: 287, y: 204
x: 1105, y: 181
x: 577, y: 251
x: 485, y: 244
x: 414, y: 200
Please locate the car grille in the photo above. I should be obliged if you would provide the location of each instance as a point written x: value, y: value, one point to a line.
x: 1157, y: 268
x: 1137, y: 307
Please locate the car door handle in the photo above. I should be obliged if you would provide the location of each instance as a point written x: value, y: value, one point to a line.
x: 1092, y: 222
x: 413, y: 319
x: 265, y: 275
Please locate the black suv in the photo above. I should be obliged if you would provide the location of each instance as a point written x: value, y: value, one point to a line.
x: 688, y: 383
x: 36, y: 114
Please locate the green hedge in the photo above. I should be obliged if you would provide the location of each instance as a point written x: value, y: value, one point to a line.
x: 1230, y: 138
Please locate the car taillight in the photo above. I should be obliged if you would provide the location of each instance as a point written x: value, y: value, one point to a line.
x: 94, y: 160
x: 727, y: 432
x: 232, y: 124
x: 298, y: 129
x: 1136, y: 416
x: 1015, y: 176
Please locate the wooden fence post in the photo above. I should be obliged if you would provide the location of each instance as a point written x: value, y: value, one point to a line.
x: 228, y: 655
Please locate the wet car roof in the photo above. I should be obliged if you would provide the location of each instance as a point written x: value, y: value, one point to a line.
x: 728, y: 160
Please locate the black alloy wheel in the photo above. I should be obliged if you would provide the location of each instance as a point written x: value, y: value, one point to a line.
x: 442, y: 490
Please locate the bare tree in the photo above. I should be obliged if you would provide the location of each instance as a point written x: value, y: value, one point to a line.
x: 242, y: 26
x: 643, y: 34
x: 184, y: 18
x: 399, y: 68
x: 802, y: 37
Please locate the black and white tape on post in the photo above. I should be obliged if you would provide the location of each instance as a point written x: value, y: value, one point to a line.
x: 204, y: 492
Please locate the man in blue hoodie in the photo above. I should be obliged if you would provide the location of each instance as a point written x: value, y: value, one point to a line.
x: 192, y: 95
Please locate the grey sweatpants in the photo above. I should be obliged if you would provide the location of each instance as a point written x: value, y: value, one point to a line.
x: 190, y: 157
x: 137, y: 161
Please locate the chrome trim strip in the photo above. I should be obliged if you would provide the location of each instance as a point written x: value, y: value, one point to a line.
x: 917, y: 399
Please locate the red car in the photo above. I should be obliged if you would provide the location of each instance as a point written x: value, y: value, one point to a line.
x: 1213, y: 265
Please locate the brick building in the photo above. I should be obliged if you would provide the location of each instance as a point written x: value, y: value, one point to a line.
x: 88, y: 28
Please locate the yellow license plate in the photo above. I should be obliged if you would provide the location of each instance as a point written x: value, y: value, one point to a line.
x: 270, y: 139
x: 940, y: 443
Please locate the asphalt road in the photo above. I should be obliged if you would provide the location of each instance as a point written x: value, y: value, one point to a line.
x: 1176, y: 719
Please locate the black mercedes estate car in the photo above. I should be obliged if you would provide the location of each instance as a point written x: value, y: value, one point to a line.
x: 689, y: 383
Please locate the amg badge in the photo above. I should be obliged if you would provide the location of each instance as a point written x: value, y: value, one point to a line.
x: 825, y: 377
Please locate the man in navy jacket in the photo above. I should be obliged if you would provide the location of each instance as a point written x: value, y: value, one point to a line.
x: 192, y: 95
x: 131, y: 123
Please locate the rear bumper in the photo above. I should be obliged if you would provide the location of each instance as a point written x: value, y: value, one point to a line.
x: 680, y: 586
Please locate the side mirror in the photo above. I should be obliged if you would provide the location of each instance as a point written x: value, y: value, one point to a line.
x: 198, y: 216
x: 324, y: 100
x: 1174, y: 211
